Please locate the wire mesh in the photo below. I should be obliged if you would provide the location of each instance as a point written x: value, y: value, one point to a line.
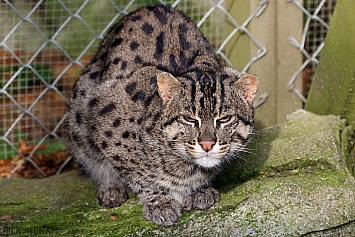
x: 317, y: 16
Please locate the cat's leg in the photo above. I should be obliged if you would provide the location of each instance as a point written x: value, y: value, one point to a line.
x: 111, y: 189
x: 201, y: 200
x: 160, y: 207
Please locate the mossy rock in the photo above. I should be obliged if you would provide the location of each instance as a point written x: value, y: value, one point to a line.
x: 291, y: 181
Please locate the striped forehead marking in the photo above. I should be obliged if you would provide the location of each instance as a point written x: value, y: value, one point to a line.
x: 207, y: 91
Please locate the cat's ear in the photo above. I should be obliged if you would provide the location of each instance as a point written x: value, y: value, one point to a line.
x: 232, y: 72
x: 248, y: 85
x: 167, y: 86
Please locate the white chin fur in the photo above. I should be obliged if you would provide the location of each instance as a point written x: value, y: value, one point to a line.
x: 208, y: 161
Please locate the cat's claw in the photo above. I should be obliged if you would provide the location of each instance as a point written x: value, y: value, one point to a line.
x: 163, y: 214
x: 112, y: 197
x: 201, y: 200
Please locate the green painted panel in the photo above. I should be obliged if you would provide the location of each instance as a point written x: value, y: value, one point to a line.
x: 334, y: 80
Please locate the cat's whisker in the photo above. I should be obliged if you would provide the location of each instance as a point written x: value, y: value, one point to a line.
x: 239, y: 156
x: 248, y: 152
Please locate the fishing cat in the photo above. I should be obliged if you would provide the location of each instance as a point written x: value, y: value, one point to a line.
x: 155, y: 112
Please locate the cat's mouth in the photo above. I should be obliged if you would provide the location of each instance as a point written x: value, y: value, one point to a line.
x: 208, y: 161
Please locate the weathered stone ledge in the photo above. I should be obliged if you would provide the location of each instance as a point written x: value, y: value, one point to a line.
x: 291, y: 181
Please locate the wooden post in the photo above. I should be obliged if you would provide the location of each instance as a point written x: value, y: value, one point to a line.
x: 289, y: 22
x: 272, y: 28
x: 264, y: 29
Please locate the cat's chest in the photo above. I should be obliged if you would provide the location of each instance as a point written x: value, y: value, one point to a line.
x: 182, y: 177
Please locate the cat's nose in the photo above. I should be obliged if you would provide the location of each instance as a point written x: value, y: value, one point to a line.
x: 206, y: 146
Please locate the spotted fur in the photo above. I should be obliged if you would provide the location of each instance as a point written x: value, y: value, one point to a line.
x: 155, y: 112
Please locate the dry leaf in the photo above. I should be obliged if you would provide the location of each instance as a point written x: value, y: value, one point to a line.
x: 26, y: 149
x: 113, y: 217
x: 48, y: 163
x: 7, y: 218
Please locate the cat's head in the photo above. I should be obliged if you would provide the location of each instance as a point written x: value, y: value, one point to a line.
x: 208, y: 119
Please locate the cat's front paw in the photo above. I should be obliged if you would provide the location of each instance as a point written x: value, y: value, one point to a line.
x: 204, y: 199
x: 112, y: 197
x: 163, y: 213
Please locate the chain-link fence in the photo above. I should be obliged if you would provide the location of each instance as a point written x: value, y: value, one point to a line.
x: 317, y: 16
x: 45, y: 44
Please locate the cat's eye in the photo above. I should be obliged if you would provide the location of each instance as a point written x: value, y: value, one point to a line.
x: 190, y: 121
x: 223, y: 121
